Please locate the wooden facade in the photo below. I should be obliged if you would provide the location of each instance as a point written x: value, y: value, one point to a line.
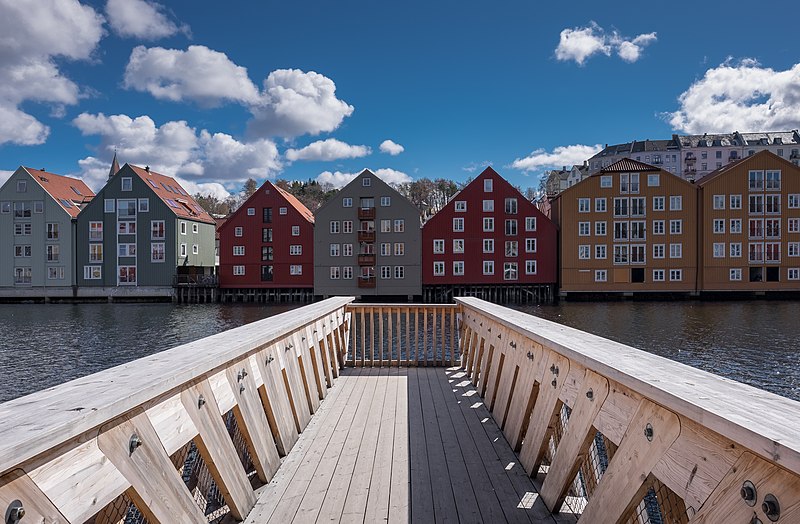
x: 268, y: 243
x: 750, y: 227
x: 629, y: 228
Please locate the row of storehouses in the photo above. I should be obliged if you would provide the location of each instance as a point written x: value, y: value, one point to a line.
x: 629, y: 229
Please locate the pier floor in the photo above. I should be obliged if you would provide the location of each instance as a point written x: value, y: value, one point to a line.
x: 400, y: 445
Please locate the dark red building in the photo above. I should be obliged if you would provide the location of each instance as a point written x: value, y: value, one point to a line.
x: 491, y: 241
x: 267, y: 244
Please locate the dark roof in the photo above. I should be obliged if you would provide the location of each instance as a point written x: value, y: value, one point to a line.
x: 625, y: 165
x: 173, y: 195
x: 638, y: 146
x: 70, y: 193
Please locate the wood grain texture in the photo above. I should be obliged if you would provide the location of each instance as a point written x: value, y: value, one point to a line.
x: 275, y: 398
x: 17, y: 488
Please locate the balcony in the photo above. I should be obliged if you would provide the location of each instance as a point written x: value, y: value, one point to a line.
x: 366, y: 282
x: 367, y: 259
x: 366, y: 236
x: 366, y: 213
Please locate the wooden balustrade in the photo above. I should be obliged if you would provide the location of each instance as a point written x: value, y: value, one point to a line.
x: 180, y: 436
x: 403, y: 335
x: 616, y: 434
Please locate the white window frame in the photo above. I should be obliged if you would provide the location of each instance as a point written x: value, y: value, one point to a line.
x: 458, y: 224
x: 438, y: 246
x: 458, y: 268
x: 601, y: 275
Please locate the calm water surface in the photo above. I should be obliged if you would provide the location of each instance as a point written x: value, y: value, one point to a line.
x: 45, y: 344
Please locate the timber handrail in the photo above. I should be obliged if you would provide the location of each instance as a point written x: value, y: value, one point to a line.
x: 691, y: 444
x: 69, y: 451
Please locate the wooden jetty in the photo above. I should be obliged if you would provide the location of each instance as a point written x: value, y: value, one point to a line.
x: 348, y: 412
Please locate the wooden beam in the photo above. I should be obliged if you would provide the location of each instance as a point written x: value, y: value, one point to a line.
x: 18, y: 490
x: 532, y: 360
x: 275, y: 398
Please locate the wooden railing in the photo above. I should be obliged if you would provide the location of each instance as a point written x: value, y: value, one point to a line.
x: 180, y: 436
x: 403, y: 335
x: 616, y: 434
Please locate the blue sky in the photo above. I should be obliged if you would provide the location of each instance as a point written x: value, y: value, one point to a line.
x: 214, y: 93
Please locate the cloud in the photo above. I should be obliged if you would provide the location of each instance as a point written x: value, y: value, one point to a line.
x: 330, y: 149
x: 33, y: 33
x: 175, y: 149
x: 338, y: 179
x: 5, y: 175
x: 141, y: 19
x: 198, y: 74
x: 474, y: 166
x: 741, y: 96
x: 580, y: 43
x: 393, y: 148
x: 560, y: 156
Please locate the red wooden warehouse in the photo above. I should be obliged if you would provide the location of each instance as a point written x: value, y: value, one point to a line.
x: 489, y: 241
x: 266, y: 248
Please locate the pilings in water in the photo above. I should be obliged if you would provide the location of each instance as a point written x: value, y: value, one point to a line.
x: 516, y: 294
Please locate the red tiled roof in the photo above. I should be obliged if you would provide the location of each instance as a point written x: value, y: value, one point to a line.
x: 626, y: 164
x: 174, y: 196
x: 70, y: 193
x: 303, y: 210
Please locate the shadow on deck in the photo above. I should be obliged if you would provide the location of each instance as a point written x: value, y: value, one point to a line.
x: 398, y: 445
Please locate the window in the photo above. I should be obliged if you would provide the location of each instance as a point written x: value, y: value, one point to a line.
x: 488, y: 267
x: 55, y: 273
x: 600, y: 205
x: 772, y: 228
x: 238, y: 231
x: 438, y: 246
x: 109, y: 205
x: 195, y: 228
x: 600, y: 251
x: 511, y: 248
x: 530, y: 267
x: 530, y: 223
x: 511, y: 227
x: 22, y: 186
x: 530, y: 245
x: 583, y: 205
x: 296, y: 269
x: 600, y: 275
x: 399, y: 225
x: 736, y: 225
x: 735, y: 250
x: 719, y: 201
x: 399, y: 249
x: 438, y: 269
x: 251, y: 211
x: 488, y: 224
x: 658, y: 203
x: 719, y: 226
x: 675, y: 275
x: 386, y: 249
x: 266, y: 273
x: 281, y: 210
x: 126, y: 228
x: 157, y: 253
x: 347, y: 227
x: 95, y: 252
x: 621, y: 207
x: 92, y: 272
x: 637, y: 252
x: 266, y: 215
x: 144, y: 205
x: 511, y: 206
x: 183, y: 228
x: 629, y: 183
x: 600, y: 228
x: 458, y: 224
x: 756, y: 180
x: 620, y: 231
x: 735, y: 274
x: 772, y: 250
x: 793, y: 249
x: 772, y: 181
x: 386, y: 272
x: 654, y: 180
x: 676, y: 251
x: 487, y: 185
x: 605, y: 181
x: 756, y: 252
x: 126, y: 250
x: 458, y: 267
x: 675, y: 203
x: 510, y: 271
x: 756, y: 228
x: 21, y: 229
x: 266, y: 234
x: 638, y: 207
x: 658, y: 250
x: 719, y: 249
x: 675, y: 227
x: 461, y: 206
x: 52, y: 252
x: 347, y: 272
x: 386, y: 226
x: 794, y: 273
x: 458, y: 245
x: 95, y: 231
x: 584, y: 229
x: 584, y: 252
x: 386, y: 201
x: 22, y: 209
x: 658, y: 275
x: 127, y: 183
x: 772, y: 204
x: 295, y: 250
x: 637, y: 230
x: 347, y: 250
x: 334, y: 226
x: 52, y: 230
x: 5, y: 208
x: 793, y: 201
x: 658, y: 227
x: 488, y: 245
x: 347, y: 202
x: 488, y: 206
x: 366, y: 181
x: 756, y: 204
x: 735, y: 202
x: 399, y: 272
x: 238, y: 251
x: 793, y: 225
x: 267, y: 253
x: 335, y: 271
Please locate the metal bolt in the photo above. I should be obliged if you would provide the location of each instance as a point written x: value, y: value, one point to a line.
x: 553, y: 383
x: 134, y: 443
x: 15, y: 512
x: 490, y: 329
x: 648, y: 432
x: 590, y: 395
x: 303, y: 338
x: 201, y: 400
x: 756, y: 520
x: 244, y: 372
x: 270, y: 359
x: 239, y: 377
x: 513, y: 344
x: 530, y: 355
x: 748, y: 493
x: 241, y: 388
x: 771, y: 507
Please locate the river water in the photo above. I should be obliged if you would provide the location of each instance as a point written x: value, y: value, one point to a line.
x: 42, y: 345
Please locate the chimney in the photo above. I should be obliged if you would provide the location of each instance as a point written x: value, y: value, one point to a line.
x: 147, y: 168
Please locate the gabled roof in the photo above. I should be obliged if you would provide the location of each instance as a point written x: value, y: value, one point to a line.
x: 724, y: 169
x: 625, y: 165
x: 172, y: 194
x: 295, y: 203
x: 70, y: 193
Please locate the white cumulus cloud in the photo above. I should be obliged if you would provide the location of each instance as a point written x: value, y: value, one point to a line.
x: 325, y: 150
x: 580, y: 43
x: 558, y: 157
x: 33, y: 33
x: 198, y: 74
x: 392, y: 148
x: 5, y: 175
x: 743, y: 96
x: 175, y: 149
x: 339, y: 179
x: 141, y: 19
